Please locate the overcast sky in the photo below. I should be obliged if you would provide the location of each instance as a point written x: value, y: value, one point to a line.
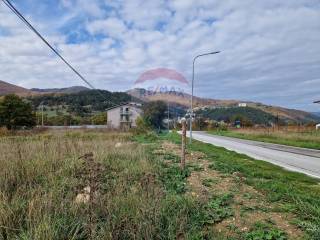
x: 270, y: 50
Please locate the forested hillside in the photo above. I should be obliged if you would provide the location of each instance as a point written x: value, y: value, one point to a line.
x: 89, y: 100
x: 85, y: 107
x: 248, y: 114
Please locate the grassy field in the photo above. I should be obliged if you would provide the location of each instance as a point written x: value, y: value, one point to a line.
x: 51, y: 187
x: 294, y: 196
x: 305, y: 139
x: 105, y: 185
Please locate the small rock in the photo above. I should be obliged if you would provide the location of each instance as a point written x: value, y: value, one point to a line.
x: 118, y: 144
x: 239, y: 176
x: 82, y: 198
x: 87, y: 189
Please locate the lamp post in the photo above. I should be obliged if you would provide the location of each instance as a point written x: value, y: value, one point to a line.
x: 192, y: 84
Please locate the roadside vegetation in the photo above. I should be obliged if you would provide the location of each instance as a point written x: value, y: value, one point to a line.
x: 305, y: 138
x: 288, y: 197
x: 86, y: 184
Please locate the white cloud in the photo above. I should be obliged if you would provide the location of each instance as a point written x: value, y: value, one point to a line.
x: 270, y: 49
x: 112, y: 27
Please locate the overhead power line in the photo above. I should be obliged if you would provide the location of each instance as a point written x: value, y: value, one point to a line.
x: 28, y: 24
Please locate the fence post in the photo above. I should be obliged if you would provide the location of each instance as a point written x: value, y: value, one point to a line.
x: 183, y: 143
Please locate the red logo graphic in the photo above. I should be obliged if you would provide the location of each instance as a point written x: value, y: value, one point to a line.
x: 161, y: 73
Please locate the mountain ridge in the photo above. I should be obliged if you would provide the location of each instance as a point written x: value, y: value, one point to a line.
x: 8, y: 88
x: 198, y: 103
x: 180, y: 99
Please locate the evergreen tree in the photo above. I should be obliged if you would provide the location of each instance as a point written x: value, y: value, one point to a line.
x: 15, y: 113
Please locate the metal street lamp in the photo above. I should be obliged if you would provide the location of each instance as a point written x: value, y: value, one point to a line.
x: 191, y: 110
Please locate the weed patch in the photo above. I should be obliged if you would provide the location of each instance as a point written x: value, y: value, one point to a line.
x: 174, y: 179
x: 263, y: 231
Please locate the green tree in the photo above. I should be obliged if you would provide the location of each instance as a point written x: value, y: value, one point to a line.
x: 16, y: 113
x: 155, y: 112
x: 99, y: 119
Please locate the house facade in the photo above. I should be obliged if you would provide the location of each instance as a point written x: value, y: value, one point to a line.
x: 123, y: 116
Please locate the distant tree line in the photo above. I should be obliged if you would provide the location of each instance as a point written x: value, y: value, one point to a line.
x: 246, y: 115
x: 82, y: 103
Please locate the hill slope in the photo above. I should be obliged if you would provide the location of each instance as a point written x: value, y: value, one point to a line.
x: 247, y: 115
x: 8, y: 88
x: 184, y: 100
x: 83, y: 102
x: 69, y: 90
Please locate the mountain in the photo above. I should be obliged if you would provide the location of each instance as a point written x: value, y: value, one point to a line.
x: 182, y: 99
x: 8, y: 88
x: 316, y: 113
x: 198, y: 103
x: 69, y: 90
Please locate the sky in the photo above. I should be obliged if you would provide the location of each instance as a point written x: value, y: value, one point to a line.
x: 270, y: 50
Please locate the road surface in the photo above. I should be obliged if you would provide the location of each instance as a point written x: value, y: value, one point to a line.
x: 296, y: 159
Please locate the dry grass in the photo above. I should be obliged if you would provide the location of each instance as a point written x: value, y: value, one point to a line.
x: 85, y: 184
x: 41, y: 176
x: 129, y: 190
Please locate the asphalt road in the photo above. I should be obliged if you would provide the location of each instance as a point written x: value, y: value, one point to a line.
x: 296, y: 159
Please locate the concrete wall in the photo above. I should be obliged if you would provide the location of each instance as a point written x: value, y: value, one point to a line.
x: 136, y: 112
x: 114, y: 115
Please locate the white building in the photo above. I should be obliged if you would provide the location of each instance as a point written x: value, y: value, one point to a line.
x: 242, y: 104
x: 123, y: 116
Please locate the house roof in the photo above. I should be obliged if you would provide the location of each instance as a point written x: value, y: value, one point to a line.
x: 121, y: 105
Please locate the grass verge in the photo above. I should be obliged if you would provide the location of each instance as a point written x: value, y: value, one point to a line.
x: 292, y: 192
x: 302, y: 139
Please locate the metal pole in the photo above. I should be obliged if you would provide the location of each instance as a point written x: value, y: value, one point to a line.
x: 191, y: 110
x: 168, y: 118
x: 42, y: 115
x: 192, y: 84
x: 183, y: 144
